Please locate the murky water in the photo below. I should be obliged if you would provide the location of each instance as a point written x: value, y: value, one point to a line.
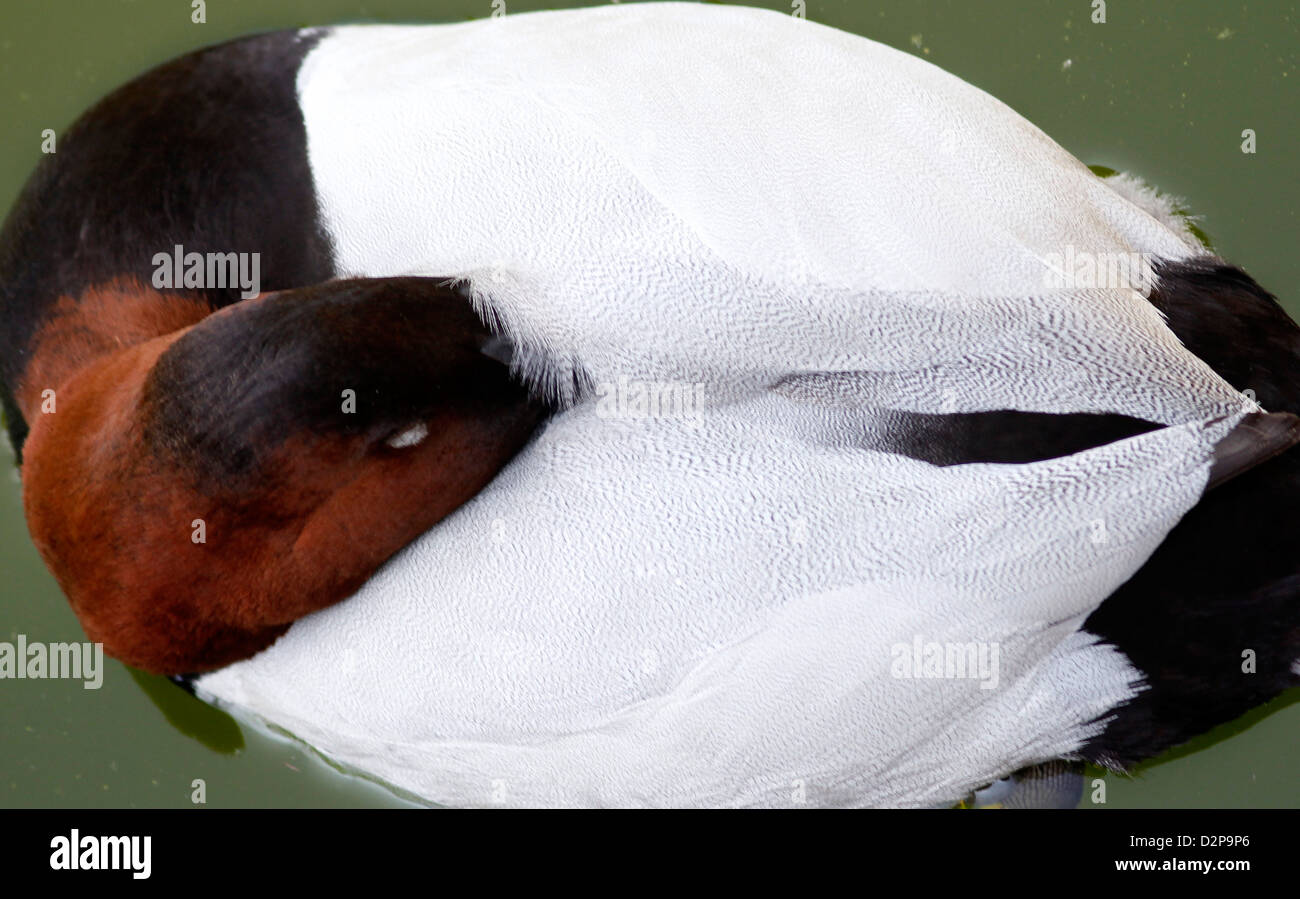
x: 1162, y: 89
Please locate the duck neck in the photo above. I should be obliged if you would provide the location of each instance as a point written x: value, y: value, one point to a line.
x: 102, y: 320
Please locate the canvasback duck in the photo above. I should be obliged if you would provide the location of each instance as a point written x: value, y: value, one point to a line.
x: 661, y: 404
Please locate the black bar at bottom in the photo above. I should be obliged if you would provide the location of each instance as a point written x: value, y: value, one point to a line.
x: 212, y: 847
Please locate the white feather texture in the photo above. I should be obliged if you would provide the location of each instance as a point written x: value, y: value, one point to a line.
x: 805, y: 228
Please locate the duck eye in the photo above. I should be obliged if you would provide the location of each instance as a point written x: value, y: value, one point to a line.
x: 407, y: 437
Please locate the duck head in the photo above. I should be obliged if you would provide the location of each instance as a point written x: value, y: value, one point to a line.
x: 197, y: 491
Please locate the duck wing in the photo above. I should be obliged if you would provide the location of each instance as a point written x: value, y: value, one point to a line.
x: 734, y: 196
x: 704, y: 610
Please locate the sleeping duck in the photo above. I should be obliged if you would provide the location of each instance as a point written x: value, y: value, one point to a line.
x: 650, y: 405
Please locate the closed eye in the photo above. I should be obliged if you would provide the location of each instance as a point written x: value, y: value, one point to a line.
x: 407, y: 437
